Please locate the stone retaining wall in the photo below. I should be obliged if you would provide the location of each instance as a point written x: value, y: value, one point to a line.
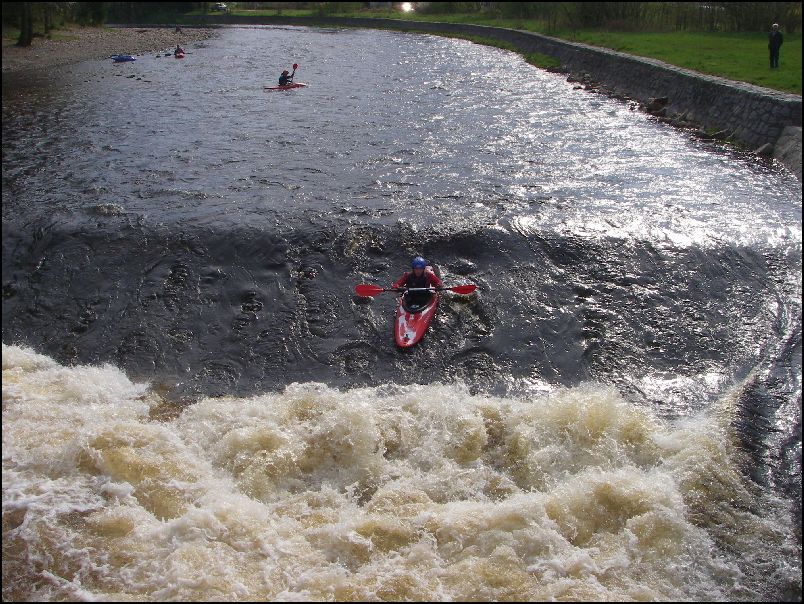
x: 743, y: 113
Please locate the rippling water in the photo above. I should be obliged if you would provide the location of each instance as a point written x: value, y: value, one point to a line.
x: 615, y: 414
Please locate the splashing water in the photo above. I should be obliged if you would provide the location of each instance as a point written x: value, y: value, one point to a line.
x: 392, y: 493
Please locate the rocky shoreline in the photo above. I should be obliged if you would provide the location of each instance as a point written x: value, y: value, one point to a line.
x: 88, y: 43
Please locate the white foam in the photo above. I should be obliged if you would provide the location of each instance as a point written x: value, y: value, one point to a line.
x: 396, y: 493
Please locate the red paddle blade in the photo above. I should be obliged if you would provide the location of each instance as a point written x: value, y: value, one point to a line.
x: 463, y: 289
x: 295, y: 65
x: 368, y: 290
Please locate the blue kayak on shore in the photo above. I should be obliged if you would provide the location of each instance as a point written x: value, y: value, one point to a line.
x: 123, y: 58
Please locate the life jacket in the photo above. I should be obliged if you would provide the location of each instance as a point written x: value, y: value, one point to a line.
x: 414, y: 281
x: 415, y: 300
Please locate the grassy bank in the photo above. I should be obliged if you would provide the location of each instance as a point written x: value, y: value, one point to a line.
x: 736, y: 56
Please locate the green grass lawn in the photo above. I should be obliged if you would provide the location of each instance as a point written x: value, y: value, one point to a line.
x: 736, y: 56
x: 10, y: 33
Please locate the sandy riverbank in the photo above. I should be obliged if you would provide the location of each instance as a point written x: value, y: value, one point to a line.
x: 83, y: 44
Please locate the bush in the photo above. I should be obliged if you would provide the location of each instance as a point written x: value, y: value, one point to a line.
x: 447, y: 8
x: 90, y: 13
x: 519, y: 10
x: 332, y: 8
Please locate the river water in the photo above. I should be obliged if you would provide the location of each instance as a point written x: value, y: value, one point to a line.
x: 197, y: 407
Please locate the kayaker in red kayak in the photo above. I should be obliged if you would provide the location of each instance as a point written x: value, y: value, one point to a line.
x: 286, y: 79
x: 179, y: 50
x: 418, y: 277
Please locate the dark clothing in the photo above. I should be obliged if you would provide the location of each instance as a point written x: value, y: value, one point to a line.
x: 409, y: 279
x: 775, y: 39
x: 286, y: 79
x: 774, y: 43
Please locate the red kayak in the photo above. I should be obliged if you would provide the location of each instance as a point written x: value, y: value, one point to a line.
x: 285, y: 87
x: 413, y: 315
x: 412, y: 320
x: 179, y: 55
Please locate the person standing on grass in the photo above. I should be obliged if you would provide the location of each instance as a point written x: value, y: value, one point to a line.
x: 774, y: 42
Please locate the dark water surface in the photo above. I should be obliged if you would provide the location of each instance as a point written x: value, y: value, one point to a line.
x: 639, y: 288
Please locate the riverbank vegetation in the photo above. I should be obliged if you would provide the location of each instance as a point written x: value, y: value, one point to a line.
x: 726, y: 39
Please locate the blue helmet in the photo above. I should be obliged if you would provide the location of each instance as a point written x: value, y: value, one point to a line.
x: 418, y: 262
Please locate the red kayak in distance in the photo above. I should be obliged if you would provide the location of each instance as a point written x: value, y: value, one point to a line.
x: 179, y: 55
x: 413, y: 320
x: 285, y: 87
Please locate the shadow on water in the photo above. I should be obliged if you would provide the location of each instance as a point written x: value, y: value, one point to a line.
x: 249, y: 309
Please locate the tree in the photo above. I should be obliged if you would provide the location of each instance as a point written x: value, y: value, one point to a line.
x: 91, y: 13
x: 26, y: 24
x: 52, y: 12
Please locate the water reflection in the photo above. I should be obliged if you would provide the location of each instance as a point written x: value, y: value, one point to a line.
x: 423, y: 116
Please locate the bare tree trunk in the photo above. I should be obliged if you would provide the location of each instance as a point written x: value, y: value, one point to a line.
x: 26, y: 25
x: 48, y: 16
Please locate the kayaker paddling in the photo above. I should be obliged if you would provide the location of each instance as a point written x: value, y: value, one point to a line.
x: 286, y: 79
x: 418, y: 302
x: 419, y: 277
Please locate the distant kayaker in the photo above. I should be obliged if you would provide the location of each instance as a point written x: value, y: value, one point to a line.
x: 179, y: 50
x: 286, y: 79
x: 418, y: 277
